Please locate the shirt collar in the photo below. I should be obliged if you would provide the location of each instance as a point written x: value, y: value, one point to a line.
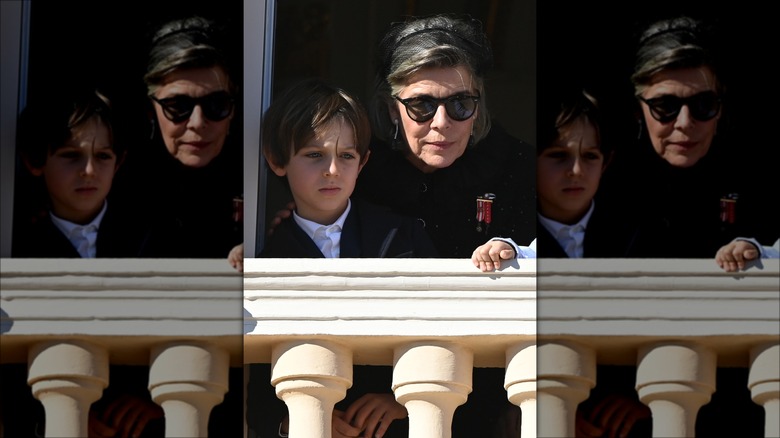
x: 310, y: 227
x: 68, y: 227
x: 554, y: 227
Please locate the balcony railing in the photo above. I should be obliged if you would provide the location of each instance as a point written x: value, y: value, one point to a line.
x: 432, y: 320
x: 69, y: 319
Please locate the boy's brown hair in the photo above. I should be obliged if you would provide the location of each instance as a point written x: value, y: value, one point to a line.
x: 294, y: 117
x: 44, y: 127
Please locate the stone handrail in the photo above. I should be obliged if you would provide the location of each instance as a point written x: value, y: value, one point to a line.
x: 66, y: 319
x: 443, y: 313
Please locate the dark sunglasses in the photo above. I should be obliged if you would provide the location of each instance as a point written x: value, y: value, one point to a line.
x: 215, y: 106
x: 702, y: 106
x: 459, y: 107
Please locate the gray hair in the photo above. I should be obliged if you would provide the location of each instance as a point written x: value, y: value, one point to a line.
x: 669, y: 44
x: 437, y: 41
x: 184, y: 44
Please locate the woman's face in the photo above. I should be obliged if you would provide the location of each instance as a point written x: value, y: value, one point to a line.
x: 683, y: 140
x: 438, y: 142
x: 197, y: 139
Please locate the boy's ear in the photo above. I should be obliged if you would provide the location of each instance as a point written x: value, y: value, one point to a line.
x: 364, y: 160
x: 119, y: 160
x: 278, y: 170
x: 35, y: 171
x: 607, y: 161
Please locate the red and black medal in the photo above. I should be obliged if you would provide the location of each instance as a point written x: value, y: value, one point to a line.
x: 485, y: 211
x: 728, y: 208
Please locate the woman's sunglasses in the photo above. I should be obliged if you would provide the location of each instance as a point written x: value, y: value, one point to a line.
x: 702, y: 106
x: 215, y: 106
x: 459, y: 107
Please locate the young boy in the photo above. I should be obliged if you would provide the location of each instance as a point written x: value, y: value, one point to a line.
x: 570, y: 162
x: 67, y: 145
x: 316, y: 136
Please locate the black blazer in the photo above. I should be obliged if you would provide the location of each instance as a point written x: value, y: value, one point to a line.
x: 369, y: 231
x: 605, y: 237
x: 116, y: 239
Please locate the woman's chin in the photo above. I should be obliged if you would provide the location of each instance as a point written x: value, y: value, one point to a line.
x: 194, y: 161
x: 681, y: 161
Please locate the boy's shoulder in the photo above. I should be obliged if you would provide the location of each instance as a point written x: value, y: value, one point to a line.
x: 40, y: 238
x: 370, y: 231
x: 288, y: 240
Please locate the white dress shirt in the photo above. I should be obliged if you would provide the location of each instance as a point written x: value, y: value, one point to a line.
x: 326, y: 237
x: 570, y: 237
x: 82, y: 237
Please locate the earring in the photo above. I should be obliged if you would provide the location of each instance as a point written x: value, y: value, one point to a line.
x: 154, y: 128
x: 396, y: 145
x: 639, y: 131
x: 471, y: 141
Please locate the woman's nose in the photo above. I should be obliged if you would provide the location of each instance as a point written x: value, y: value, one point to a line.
x: 684, y: 118
x: 197, y: 118
x: 440, y: 118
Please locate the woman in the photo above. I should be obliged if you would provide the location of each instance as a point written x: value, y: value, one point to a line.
x: 692, y: 196
x: 439, y: 159
x: 191, y: 172
x: 690, y: 199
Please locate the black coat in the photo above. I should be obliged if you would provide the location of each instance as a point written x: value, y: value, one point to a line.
x: 446, y: 199
x: 369, y: 231
x: 680, y: 210
x: 605, y: 237
x: 116, y: 238
x: 190, y: 211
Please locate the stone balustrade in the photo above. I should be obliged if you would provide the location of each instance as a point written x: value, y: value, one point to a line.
x: 69, y: 319
x: 432, y: 320
x: 676, y: 321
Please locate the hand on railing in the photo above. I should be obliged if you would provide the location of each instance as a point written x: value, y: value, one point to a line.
x: 373, y: 414
x: 341, y: 428
x: 733, y: 256
x: 236, y: 257
x: 125, y: 417
x: 612, y: 417
x: 488, y: 257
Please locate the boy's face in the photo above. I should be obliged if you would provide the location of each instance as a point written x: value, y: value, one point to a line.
x: 323, y: 172
x: 568, y: 172
x: 78, y: 175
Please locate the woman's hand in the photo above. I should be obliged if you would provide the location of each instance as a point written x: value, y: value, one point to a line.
x: 488, y: 256
x: 281, y: 215
x: 373, y: 414
x: 236, y: 257
x: 733, y: 256
x: 612, y: 417
x: 124, y: 417
x: 339, y: 427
